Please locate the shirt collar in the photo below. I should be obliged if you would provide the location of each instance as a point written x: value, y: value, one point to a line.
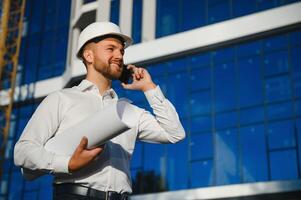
x: 86, y: 85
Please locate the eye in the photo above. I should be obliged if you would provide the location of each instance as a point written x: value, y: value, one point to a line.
x: 110, y: 49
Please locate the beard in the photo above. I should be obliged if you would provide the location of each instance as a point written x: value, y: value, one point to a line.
x: 113, y: 70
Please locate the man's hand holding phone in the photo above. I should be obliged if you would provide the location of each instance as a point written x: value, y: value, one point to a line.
x: 141, y: 79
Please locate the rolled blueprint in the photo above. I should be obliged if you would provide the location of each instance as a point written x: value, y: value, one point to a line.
x: 98, y: 128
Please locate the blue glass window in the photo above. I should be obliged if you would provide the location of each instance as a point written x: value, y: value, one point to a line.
x: 115, y: 6
x: 275, y: 43
x: 30, y: 195
x: 200, y: 124
x: 177, y: 91
x: 36, y: 17
x: 251, y: 115
x: 280, y: 111
x: 298, y: 108
x: 226, y: 120
x: 137, y: 21
x: 297, y: 130
x: 278, y: 88
x: 198, y: 60
x: 167, y: 21
x: 136, y: 161
x: 227, y: 157
x: 218, y: 11
x: 223, y: 55
x: 177, y: 166
x: 254, y: 154
x: 202, y: 173
x: 201, y: 146
x: 16, y: 185
x: 275, y: 63
x: 296, y: 70
x: 245, y: 7
x: 177, y: 65
x: 225, y: 87
x: 250, y: 82
x: 295, y: 38
x: 200, y: 103
x: 249, y: 49
x: 154, y: 155
x: 45, y: 187
x: 283, y: 165
x: 264, y: 5
x: 281, y: 135
x: 200, y: 78
x: 194, y: 14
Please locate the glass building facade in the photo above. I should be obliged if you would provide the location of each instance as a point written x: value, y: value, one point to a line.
x: 240, y: 103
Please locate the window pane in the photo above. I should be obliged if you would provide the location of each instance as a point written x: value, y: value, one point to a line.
x: 177, y: 166
x: 227, y: 162
x: 245, y: 7
x: 252, y: 115
x: 136, y: 160
x: 178, y: 92
x: 249, y: 49
x: 193, y: 14
x: 283, y: 165
x: 200, y: 79
x: 198, y: 60
x: 202, y: 173
x: 200, y: 124
x: 278, y: 88
x: 275, y: 63
x: 281, y: 135
x: 250, y: 72
x: 200, y: 102
x: 167, y: 17
x: 218, y: 11
x: 225, y: 87
x: 254, y: 158
x: 280, y: 111
x: 296, y: 70
x: 137, y: 21
x: 225, y: 120
x: 275, y: 43
x: 115, y: 11
x: 201, y: 146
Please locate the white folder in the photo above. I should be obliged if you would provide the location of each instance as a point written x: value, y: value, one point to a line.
x: 98, y: 128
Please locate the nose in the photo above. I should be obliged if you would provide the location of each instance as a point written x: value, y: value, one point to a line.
x: 118, y: 54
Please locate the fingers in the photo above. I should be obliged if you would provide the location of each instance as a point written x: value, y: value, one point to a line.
x: 138, y: 72
x: 83, y: 143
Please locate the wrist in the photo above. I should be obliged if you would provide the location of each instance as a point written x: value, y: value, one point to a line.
x: 149, y: 86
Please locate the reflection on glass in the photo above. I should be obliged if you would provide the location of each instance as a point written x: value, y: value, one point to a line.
x: 283, y: 165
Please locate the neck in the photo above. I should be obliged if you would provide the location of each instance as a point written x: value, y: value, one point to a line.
x: 99, y: 80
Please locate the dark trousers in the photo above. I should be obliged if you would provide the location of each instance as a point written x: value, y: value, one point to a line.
x: 70, y: 191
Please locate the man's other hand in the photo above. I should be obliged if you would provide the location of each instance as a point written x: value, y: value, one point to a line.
x: 83, y: 156
x: 141, y: 79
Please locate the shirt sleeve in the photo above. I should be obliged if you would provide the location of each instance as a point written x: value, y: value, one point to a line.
x: 165, y: 126
x: 29, y: 151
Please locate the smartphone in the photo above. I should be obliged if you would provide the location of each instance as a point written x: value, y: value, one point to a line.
x: 126, y: 75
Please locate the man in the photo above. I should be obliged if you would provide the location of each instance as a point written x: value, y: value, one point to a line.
x: 102, y: 172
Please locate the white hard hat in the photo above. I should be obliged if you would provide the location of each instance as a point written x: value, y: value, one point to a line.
x: 98, y: 29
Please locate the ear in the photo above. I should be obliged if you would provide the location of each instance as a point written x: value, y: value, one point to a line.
x: 88, y: 55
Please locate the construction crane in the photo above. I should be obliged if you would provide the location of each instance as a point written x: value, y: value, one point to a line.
x: 12, y: 12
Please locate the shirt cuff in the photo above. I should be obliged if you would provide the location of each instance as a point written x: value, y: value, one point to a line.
x: 60, y: 164
x: 154, y: 96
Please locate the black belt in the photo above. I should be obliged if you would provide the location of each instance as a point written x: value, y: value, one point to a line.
x: 70, y: 188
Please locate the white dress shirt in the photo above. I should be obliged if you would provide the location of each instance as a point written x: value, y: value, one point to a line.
x: 111, y: 170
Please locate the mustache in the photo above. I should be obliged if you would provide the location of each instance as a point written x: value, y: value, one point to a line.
x: 118, y: 62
